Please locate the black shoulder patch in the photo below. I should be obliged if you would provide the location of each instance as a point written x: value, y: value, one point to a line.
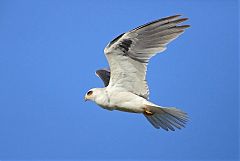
x: 125, y: 44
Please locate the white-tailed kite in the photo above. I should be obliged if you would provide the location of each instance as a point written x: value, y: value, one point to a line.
x: 125, y: 83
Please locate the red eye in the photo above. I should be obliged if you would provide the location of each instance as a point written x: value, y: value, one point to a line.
x: 90, y: 93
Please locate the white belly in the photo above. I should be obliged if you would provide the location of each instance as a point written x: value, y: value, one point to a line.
x: 128, y: 102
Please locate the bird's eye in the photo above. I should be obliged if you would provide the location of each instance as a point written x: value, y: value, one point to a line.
x: 89, y: 93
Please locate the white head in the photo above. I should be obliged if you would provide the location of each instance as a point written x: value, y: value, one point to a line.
x: 92, y: 94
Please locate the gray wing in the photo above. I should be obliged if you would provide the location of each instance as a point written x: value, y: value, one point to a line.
x: 129, y: 53
x: 104, y: 74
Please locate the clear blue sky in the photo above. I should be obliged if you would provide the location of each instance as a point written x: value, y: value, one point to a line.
x: 50, y: 49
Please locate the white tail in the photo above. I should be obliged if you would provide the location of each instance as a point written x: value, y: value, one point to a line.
x: 166, y: 118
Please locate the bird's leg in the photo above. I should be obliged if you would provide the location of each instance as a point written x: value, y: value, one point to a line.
x: 147, y: 112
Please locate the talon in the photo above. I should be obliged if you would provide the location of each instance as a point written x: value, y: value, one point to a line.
x: 147, y: 112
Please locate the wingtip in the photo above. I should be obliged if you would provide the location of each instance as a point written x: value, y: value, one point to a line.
x: 180, y: 20
x: 170, y: 17
x: 184, y: 19
x: 183, y: 27
x: 177, y: 15
x: 186, y: 26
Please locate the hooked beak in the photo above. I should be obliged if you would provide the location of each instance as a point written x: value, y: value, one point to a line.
x: 85, y: 99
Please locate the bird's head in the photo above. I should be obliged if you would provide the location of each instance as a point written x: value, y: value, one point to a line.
x: 92, y: 94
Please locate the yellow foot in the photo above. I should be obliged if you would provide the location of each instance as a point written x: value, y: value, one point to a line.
x: 147, y: 112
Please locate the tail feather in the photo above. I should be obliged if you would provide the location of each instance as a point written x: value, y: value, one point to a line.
x: 177, y: 114
x: 152, y: 121
x: 166, y: 118
x: 174, y: 121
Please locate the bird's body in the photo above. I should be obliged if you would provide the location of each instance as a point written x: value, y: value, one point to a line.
x: 125, y: 83
x: 120, y: 99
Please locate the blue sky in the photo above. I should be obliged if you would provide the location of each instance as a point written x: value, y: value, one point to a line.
x: 49, y: 51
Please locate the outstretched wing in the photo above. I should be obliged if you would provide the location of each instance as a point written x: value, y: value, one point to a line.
x: 104, y: 74
x: 129, y: 53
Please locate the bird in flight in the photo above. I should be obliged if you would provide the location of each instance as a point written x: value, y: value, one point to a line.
x: 125, y: 82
